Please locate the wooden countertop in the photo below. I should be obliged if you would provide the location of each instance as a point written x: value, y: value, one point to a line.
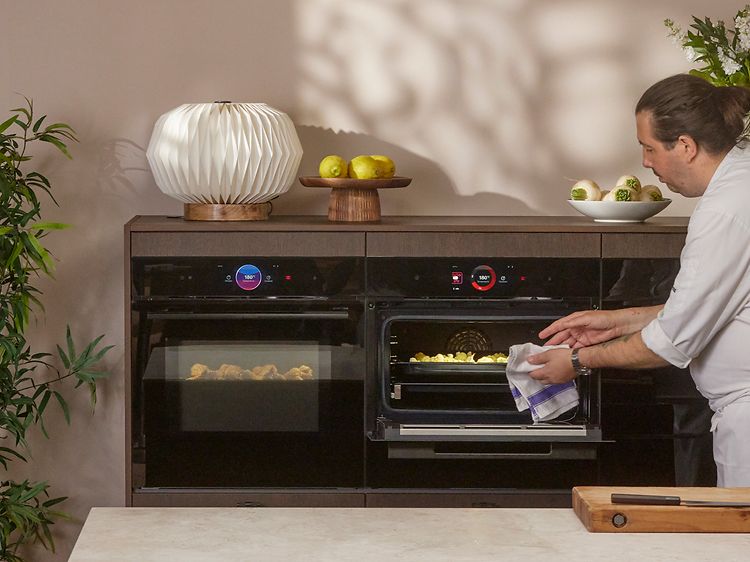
x: 377, y: 534
x: 413, y: 224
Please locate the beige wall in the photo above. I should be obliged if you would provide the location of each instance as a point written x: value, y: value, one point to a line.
x: 489, y: 105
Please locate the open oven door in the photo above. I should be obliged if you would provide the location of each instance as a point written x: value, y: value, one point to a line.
x: 446, y: 406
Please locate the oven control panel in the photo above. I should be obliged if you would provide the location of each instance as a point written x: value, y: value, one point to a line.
x: 256, y: 276
x: 483, y: 277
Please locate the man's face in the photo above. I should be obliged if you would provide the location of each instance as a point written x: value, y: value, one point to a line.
x: 668, y: 164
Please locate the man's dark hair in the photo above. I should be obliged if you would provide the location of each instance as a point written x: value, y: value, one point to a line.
x: 714, y: 116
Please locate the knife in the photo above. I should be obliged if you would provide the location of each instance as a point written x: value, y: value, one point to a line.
x: 646, y: 499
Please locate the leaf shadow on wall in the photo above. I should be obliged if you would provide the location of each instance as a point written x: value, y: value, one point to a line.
x: 430, y: 182
x: 118, y: 160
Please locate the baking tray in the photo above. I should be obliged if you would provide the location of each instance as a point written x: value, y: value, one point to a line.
x: 448, y: 372
x: 431, y: 368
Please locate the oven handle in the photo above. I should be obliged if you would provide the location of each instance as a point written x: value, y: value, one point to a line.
x: 324, y: 315
x: 427, y: 451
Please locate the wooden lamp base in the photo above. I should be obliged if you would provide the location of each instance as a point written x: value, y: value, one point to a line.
x: 218, y: 212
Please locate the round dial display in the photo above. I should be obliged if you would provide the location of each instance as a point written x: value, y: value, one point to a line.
x: 483, y: 278
x: 248, y: 277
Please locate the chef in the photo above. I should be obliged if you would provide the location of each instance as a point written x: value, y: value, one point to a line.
x: 692, y: 136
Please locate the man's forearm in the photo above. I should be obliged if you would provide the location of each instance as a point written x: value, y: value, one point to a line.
x: 635, y: 319
x: 625, y: 352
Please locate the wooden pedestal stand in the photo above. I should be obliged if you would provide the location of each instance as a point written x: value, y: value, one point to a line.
x: 354, y: 200
x: 218, y: 212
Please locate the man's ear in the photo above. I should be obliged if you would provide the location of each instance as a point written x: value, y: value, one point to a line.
x: 688, y: 147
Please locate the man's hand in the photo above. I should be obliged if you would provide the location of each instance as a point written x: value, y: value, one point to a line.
x: 590, y: 327
x: 557, y: 366
x: 582, y: 329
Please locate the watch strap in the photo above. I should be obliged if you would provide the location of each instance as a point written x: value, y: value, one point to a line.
x: 579, y: 369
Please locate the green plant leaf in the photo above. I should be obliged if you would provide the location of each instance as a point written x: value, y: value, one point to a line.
x: 39, y: 121
x: 63, y: 406
x: 7, y: 123
x: 54, y: 501
x: 56, y: 142
x: 49, y: 226
x: 63, y: 357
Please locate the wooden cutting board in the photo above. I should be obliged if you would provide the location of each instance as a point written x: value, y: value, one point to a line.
x: 593, y: 507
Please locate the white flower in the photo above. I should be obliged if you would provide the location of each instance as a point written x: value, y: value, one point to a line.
x: 690, y: 54
x: 675, y: 32
x: 728, y: 64
x: 742, y: 28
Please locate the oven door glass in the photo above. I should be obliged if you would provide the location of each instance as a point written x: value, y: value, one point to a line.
x: 263, y: 396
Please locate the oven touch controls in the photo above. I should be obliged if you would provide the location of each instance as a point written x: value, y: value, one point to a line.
x: 483, y: 278
x: 248, y: 277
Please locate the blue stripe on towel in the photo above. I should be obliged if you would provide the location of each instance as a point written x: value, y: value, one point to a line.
x: 549, y: 392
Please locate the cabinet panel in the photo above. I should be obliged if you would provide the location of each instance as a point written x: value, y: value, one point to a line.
x: 487, y: 244
x: 243, y: 498
x: 319, y: 244
x: 642, y: 245
x: 473, y: 499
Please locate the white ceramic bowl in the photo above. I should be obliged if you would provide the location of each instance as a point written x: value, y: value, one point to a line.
x: 619, y: 211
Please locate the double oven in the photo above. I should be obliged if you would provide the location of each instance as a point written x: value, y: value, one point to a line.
x: 302, y: 379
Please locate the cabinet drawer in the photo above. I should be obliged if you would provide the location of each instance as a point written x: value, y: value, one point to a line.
x: 489, y: 244
x: 648, y: 246
x: 292, y: 244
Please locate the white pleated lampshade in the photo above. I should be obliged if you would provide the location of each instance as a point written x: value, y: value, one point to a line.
x: 224, y: 153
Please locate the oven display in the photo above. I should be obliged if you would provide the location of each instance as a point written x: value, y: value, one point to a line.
x: 248, y: 277
x: 483, y: 278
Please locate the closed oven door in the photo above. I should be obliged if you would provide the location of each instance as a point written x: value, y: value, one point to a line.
x: 249, y: 394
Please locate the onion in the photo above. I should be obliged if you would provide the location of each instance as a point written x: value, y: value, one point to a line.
x: 585, y: 190
x: 651, y: 193
x: 621, y: 193
x: 630, y: 181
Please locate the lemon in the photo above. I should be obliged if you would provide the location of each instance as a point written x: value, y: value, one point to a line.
x: 365, y: 168
x: 332, y: 166
x: 386, y: 164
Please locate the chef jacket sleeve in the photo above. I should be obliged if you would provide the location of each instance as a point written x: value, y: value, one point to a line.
x: 710, y: 290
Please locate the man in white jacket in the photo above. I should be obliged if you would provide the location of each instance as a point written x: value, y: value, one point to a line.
x: 692, y: 137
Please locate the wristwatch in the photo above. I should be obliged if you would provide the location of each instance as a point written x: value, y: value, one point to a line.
x: 579, y: 369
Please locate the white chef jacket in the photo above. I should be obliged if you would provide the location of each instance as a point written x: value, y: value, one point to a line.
x: 705, y: 322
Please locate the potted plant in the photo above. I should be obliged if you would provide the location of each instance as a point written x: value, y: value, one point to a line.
x: 723, y: 52
x: 29, y: 380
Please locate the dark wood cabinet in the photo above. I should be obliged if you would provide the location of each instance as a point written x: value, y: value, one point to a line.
x: 397, y: 237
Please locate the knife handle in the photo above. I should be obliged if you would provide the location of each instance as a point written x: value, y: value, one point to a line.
x: 645, y: 499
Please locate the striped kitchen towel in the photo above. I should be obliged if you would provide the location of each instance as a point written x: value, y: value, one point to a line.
x: 546, y: 401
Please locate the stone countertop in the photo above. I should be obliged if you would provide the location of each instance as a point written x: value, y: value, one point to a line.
x: 154, y: 223
x: 377, y: 535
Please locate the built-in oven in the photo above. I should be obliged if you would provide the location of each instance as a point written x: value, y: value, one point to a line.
x: 440, y: 410
x: 248, y: 372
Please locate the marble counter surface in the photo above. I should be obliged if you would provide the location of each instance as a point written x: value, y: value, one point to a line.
x: 382, y: 535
